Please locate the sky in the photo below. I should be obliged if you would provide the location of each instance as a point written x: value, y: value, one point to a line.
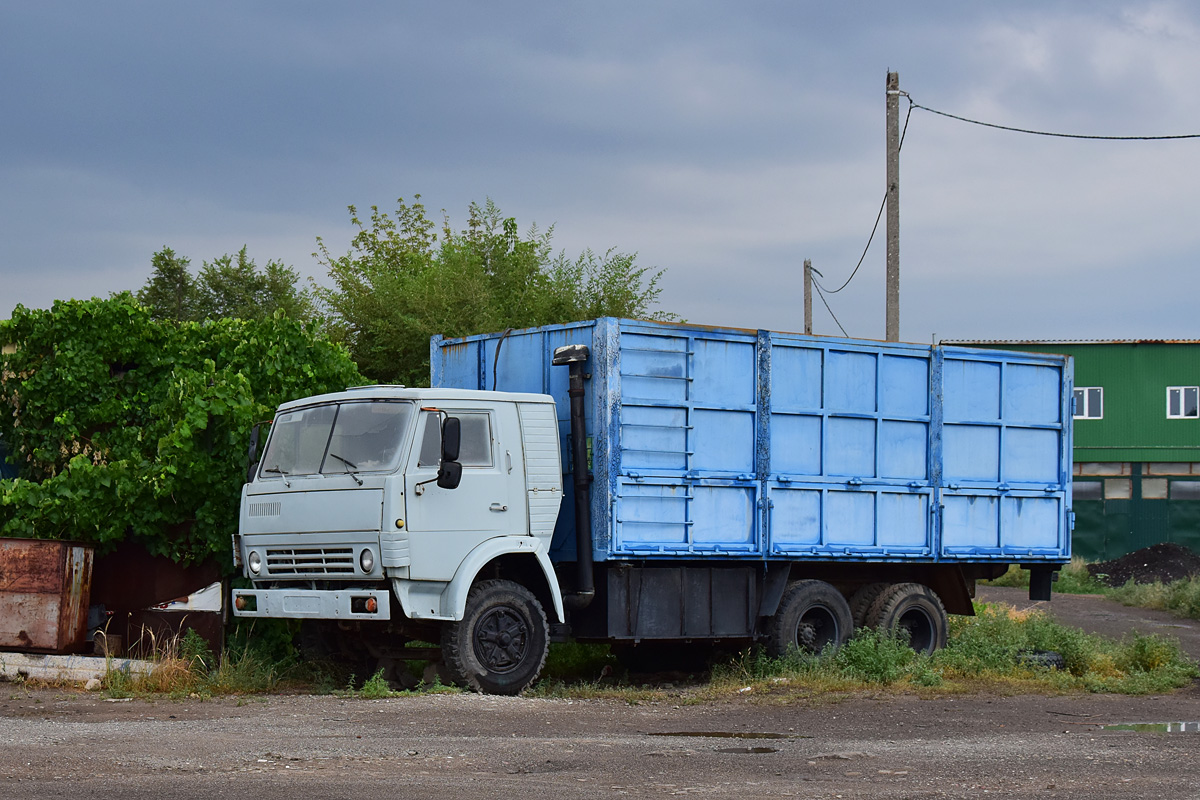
x: 722, y: 142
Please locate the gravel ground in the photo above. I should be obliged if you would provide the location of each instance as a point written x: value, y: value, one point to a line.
x: 885, y: 746
x: 56, y: 743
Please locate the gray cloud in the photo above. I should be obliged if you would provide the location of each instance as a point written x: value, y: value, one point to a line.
x: 723, y: 142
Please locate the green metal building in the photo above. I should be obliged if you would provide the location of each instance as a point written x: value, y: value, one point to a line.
x: 1137, y: 442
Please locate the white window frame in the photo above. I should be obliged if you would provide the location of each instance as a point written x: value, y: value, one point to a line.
x: 1183, y: 390
x: 1081, y: 408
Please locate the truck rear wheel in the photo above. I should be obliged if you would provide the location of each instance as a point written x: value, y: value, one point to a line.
x: 915, y: 609
x: 500, y: 646
x: 812, y: 615
x: 861, y: 601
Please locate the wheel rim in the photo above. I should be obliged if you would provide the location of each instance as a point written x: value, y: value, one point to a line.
x: 501, y: 640
x: 920, y: 628
x: 817, y: 627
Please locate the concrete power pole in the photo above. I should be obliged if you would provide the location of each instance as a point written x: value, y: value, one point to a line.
x: 892, y: 326
x: 807, y: 297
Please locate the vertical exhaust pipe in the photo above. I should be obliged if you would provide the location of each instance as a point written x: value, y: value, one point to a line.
x: 574, y: 356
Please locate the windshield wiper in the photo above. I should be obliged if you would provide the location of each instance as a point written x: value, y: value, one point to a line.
x: 280, y: 471
x: 351, y: 468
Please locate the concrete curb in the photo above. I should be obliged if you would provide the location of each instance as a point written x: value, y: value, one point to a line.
x: 19, y: 666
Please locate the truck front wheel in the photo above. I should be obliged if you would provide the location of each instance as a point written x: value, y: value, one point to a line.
x: 500, y: 646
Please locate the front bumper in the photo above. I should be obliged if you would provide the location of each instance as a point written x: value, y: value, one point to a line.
x: 346, y: 604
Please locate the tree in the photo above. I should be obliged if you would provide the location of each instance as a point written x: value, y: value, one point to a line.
x: 402, y: 282
x: 227, y: 286
x: 170, y: 291
x: 127, y: 427
x: 233, y: 286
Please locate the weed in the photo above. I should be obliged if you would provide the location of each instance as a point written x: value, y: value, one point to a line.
x: 375, y: 687
x: 195, y: 651
x: 874, y: 656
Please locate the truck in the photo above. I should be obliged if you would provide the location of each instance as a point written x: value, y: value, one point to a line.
x: 664, y: 488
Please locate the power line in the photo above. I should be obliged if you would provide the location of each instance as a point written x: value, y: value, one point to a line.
x: 821, y: 295
x: 912, y: 105
x: 879, y: 216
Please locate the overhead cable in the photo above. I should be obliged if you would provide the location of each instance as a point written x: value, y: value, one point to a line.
x: 913, y: 105
x: 878, y: 216
x: 821, y: 295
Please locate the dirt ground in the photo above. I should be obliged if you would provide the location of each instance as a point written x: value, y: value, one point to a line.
x: 56, y: 743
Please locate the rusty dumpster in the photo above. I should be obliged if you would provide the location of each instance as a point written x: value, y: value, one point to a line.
x: 44, y: 593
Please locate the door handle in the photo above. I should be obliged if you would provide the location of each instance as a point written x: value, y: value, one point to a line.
x: 497, y: 507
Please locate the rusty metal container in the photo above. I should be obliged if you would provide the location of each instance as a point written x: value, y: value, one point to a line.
x: 44, y: 592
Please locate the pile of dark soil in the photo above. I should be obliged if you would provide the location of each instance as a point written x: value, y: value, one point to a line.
x: 1163, y: 562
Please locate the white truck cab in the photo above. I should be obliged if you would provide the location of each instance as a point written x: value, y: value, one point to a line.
x: 363, y: 496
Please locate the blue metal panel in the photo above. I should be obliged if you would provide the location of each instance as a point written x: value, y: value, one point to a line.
x: 1006, y: 456
x: 753, y: 444
x: 850, y: 447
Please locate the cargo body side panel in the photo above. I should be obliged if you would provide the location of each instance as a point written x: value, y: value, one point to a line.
x: 742, y: 446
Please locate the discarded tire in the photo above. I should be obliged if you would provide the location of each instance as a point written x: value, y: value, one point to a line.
x: 1047, y: 659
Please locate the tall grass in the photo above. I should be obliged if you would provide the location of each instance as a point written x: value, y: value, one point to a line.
x: 992, y: 647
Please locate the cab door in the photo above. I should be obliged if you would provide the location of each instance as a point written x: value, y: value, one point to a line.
x: 446, y: 524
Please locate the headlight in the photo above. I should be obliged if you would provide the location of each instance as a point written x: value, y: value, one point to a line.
x: 255, y: 562
x: 366, y: 560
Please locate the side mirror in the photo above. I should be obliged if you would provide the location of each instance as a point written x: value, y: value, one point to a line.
x: 252, y: 452
x: 451, y: 438
x: 449, y: 475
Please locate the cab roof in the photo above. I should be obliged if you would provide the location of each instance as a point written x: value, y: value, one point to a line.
x: 394, y: 392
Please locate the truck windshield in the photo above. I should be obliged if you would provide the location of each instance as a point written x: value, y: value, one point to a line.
x: 334, y: 439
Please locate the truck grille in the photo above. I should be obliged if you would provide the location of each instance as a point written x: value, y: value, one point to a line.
x: 310, y: 561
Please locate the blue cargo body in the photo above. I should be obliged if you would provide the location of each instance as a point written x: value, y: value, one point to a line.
x: 759, y: 445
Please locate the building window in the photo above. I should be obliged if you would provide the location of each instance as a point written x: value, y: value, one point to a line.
x: 1185, y: 490
x: 1087, y: 490
x: 1183, y: 402
x: 1089, y: 402
x: 1118, y: 489
x: 1154, y: 488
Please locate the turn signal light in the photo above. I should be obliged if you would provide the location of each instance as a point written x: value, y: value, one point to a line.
x: 240, y: 603
x: 372, y: 605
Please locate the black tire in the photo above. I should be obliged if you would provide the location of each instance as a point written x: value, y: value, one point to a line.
x: 915, y: 609
x: 812, y: 615
x: 500, y: 646
x: 1046, y: 659
x: 861, y: 600
x: 649, y: 657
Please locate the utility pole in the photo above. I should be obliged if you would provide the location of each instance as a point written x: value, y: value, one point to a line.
x: 808, y: 297
x: 892, y: 327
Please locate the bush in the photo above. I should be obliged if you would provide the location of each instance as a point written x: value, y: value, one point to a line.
x: 124, y: 427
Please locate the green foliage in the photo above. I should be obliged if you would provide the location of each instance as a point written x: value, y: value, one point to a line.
x: 170, y: 291
x: 196, y: 653
x: 991, y: 647
x: 375, y: 687
x: 402, y: 283
x: 227, y: 286
x: 875, y: 656
x: 125, y: 427
x: 1181, y: 597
